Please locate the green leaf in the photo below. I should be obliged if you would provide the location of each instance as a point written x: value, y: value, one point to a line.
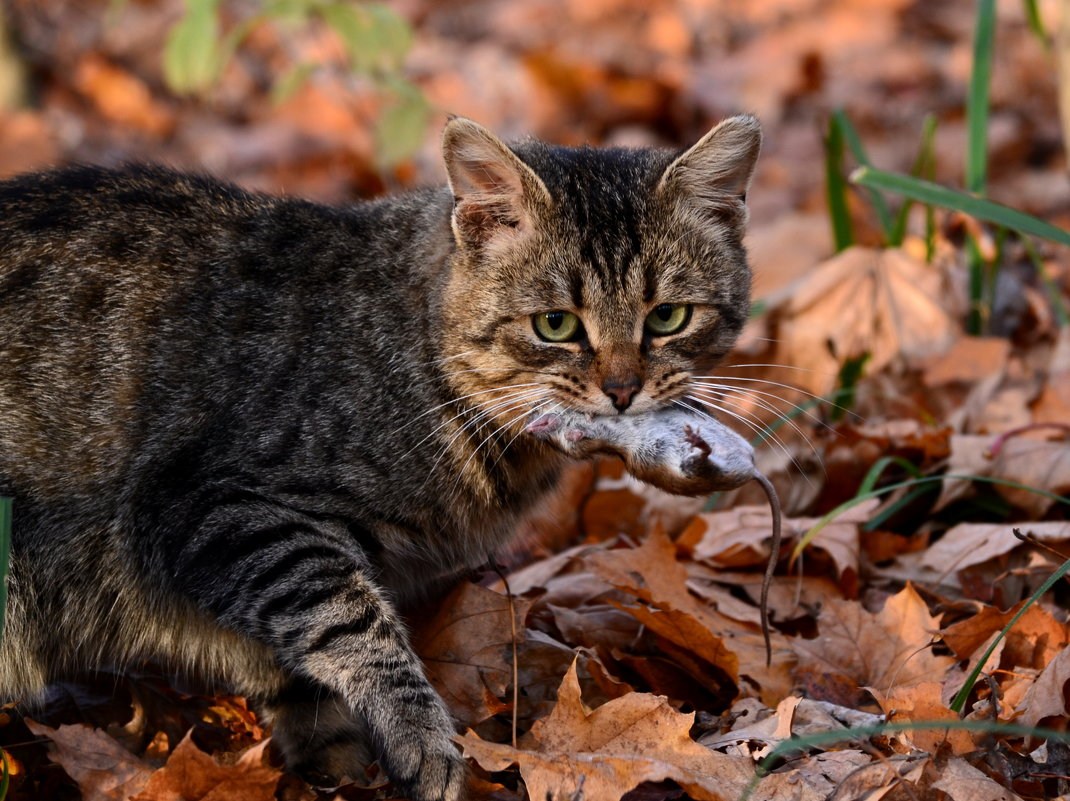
x: 284, y: 88
x: 5, y: 555
x: 192, y: 58
x: 1036, y: 24
x: 924, y: 167
x: 836, y: 188
x: 401, y: 127
x: 977, y: 100
x: 847, y: 382
x: 375, y: 37
x: 937, y: 195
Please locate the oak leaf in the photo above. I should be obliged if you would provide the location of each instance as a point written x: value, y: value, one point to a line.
x: 102, y: 768
x: 612, y: 750
x: 192, y: 775
x: 467, y: 650
x: 856, y: 648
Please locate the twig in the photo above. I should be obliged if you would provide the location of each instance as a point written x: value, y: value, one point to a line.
x: 512, y: 625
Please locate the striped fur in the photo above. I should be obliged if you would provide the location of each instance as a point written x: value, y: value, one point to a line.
x: 244, y: 433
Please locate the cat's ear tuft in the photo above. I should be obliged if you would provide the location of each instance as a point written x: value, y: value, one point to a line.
x: 494, y: 192
x: 717, y: 170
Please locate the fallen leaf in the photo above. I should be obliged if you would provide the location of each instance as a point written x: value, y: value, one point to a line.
x: 924, y: 702
x: 1032, y: 642
x: 1046, y: 697
x: 969, y: 544
x: 467, y: 650
x: 970, y: 359
x: 963, y: 782
x: 192, y: 775
x: 882, y: 302
x: 613, y: 749
x: 103, y: 769
x: 855, y: 648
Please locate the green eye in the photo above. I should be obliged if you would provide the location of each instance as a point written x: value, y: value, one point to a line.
x: 557, y: 326
x: 668, y: 318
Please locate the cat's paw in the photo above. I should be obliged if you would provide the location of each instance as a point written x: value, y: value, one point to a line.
x: 421, y: 758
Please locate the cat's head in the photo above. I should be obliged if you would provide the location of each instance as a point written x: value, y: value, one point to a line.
x: 597, y: 279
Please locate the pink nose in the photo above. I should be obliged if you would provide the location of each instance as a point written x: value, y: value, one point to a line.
x: 621, y: 392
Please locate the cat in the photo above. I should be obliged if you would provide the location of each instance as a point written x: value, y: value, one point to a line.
x: 243, y: 433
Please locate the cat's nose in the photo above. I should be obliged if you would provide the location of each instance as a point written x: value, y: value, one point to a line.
x: 621, y: 391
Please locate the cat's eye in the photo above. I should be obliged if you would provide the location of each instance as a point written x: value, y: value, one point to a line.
x: 668, y: 318
x: 557, y: 326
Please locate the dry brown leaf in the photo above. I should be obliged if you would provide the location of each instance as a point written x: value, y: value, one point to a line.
x: 973, y: 543
x: 192, y: 775
x: 103, y: 769
x: 612, y: 750
x: 970, y: 359
x: 122, y: 97
x: 1046, y: 697
x: 467, y: 650
x: 1033, y: 642
x: 924, y: 702
x: 653, y: 575
x: 963, y: 782
x: 882, y: 302
x: 855, y: 648
x: 1035, y: 463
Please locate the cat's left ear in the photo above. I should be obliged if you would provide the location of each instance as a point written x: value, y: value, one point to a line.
x: 495, y: 193
x: 715, y: 173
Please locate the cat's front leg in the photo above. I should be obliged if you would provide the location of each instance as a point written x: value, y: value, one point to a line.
x: 304, y: 587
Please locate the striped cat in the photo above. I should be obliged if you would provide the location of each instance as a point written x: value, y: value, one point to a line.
x: 243, y: 433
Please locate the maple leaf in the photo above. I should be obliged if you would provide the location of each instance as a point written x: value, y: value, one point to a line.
x: 192, y: 775
x: 856, y: 649
x: 467, y: 650
x: 102, y: 768
x: 612, y: 750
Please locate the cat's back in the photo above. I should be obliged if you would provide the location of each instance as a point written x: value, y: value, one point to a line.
x: 125, y: 293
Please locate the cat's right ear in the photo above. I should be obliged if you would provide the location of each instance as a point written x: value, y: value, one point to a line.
x: 495, y: 194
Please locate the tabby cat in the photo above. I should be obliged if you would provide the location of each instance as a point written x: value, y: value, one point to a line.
x: 243, y: 433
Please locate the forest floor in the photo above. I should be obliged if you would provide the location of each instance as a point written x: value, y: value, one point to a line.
x: 626, y: 658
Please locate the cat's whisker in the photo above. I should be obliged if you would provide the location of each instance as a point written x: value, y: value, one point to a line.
x: 790, y: 387
x: 757, y: 396
x: 759, y: 430
x: 534, y: 409
x: 730, y: 399
x: 434, y: 409
x: 462, y: 413
x: 495, y: 410
x: 495, y: 433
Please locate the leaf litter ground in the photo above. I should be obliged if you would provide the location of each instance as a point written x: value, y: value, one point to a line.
x: 639, y: 665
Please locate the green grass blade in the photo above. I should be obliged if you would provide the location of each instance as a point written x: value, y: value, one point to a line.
x: 804, y: 742
x: 977, y: 100
x: 1055, y: 295
x: 924, y: 167
x: 975, y: 270
x: 850, y: 137
x: 929, y: 192
x: 6, y: 777
x: 5, y: 552
x: 1036, y: 24
x: 958, y: 703
x: 882, y: 464
x: 836, y: 189
x: 862, y: 497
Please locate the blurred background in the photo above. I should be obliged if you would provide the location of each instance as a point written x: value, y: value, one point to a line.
x: 337, y: 100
